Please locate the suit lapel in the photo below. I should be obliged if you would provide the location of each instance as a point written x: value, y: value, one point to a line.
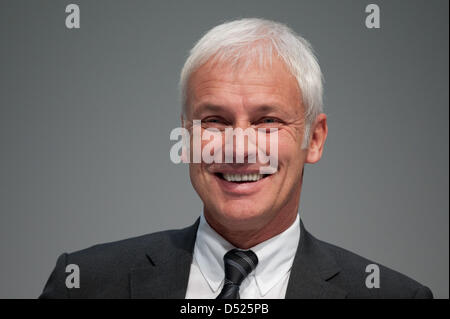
x: 311, y: 270
x: 169, y: 260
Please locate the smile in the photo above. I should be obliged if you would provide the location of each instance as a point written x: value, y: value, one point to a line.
x: 241, y: 183
x: 241, y: 177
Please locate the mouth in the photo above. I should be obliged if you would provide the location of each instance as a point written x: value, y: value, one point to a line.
x: 242, y: 184
x: 241, y: 178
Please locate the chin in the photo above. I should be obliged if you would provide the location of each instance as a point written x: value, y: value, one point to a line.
x: 240, y: 215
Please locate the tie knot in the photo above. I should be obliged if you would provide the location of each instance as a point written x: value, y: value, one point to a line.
x: 238, y: 265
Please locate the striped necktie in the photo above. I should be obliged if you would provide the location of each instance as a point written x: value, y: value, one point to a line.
x: 238, y: 265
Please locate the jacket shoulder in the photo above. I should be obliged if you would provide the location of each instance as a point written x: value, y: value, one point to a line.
x: 104, y: 268
x: 126, y: 251
x: 358, y: 275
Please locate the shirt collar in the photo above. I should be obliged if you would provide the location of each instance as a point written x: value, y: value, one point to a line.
x: 275, y: 255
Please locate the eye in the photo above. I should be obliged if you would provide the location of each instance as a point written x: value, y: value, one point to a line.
x: 268, y: 123
x: 269, y: 120
x: 214, y: 122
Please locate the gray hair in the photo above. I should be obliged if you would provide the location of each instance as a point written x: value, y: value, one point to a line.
x: 243, y: 39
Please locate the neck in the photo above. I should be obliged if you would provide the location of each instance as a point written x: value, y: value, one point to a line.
x: 252, y: 237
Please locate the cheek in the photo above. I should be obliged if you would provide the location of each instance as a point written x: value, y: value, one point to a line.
x: 200, y: 178
x: 195, y: 174
x: 291, y: 162
x: 289, y: 150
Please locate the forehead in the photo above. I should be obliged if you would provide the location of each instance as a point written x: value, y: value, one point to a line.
x: 246, y: 84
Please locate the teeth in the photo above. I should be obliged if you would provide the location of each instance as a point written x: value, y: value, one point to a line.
x: 242, y: 177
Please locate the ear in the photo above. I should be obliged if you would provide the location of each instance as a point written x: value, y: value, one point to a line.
x: 318, y: 133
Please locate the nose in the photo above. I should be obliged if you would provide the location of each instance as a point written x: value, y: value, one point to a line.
x: 241, y: 143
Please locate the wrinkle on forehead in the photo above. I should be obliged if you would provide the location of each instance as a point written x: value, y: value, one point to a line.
x: 252, y: 80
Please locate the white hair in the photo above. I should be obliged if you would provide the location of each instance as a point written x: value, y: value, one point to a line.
x: 250, y: 38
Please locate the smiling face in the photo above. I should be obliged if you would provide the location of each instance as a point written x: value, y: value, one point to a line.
x: 259, y: 97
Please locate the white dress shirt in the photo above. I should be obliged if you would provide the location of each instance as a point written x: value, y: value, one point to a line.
x: 268, y: 281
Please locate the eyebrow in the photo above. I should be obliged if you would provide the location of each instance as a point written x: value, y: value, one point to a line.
x: 209, y: 107
x: 268, y: 108
x: 215, y: 108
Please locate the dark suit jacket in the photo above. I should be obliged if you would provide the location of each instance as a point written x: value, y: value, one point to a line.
x: 157, y: 266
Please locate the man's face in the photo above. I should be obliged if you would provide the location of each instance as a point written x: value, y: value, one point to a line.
x: 258, y: 97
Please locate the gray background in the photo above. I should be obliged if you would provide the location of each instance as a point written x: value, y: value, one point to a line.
x: 86, y: 114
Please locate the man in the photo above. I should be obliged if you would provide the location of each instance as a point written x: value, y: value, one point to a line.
x: 249, y: 242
